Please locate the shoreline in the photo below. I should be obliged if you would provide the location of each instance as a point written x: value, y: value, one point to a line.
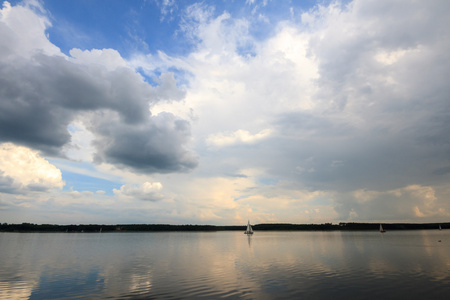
x: 343, y: 226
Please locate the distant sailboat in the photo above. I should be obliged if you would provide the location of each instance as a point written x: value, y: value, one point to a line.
x: 249, y: 229
x: 440, y: 228
x: 381, y: 229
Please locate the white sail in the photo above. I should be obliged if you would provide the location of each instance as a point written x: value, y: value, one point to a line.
x: 381, y: 229
x: 249, y: 229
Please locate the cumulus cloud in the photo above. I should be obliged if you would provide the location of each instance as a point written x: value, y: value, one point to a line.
x: 108, y: 58
x: 237, y: 81
x: 23, y: 31
x: 24, y: 170
x: 42, y: 92
x: 154, y: 146
x: 148, y: 191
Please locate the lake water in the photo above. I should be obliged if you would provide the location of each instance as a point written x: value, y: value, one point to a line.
x: 211, y: 265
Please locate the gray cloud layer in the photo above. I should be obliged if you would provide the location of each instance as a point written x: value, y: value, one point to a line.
x: 380, y: 125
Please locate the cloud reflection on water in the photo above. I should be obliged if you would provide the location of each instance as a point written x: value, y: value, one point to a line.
x: 266, y: 265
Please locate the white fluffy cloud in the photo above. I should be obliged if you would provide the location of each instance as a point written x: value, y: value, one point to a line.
x: 22, y: 31
x: 108, y: 58
x: 24, y: 170
x: 148, y: 191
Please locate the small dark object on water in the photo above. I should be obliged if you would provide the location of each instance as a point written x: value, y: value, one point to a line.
x: 439, y: 241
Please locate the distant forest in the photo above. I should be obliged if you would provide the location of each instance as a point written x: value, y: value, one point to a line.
x: 29, y: 227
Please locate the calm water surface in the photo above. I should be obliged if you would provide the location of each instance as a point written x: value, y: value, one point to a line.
x: 211, y: 265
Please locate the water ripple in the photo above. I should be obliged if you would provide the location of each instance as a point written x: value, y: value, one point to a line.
x: 224, y: 265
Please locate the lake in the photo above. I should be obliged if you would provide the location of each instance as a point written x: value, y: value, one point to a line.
x: 226, y: 264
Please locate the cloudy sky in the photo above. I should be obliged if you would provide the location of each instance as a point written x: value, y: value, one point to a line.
x: 215, y: 112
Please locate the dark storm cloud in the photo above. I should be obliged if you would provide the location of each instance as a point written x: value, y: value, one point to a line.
x: 54, y: 83
x: 27, y: 114
x: 154, y: 146
x: 41, y: 95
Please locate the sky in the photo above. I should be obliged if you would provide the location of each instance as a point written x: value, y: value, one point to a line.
x: 219, y: 112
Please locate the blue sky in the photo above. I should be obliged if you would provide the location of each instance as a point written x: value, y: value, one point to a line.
x: 216, y: 112
x: 150, y: 26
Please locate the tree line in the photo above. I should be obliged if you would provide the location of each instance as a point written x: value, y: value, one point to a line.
x: 30, y: 227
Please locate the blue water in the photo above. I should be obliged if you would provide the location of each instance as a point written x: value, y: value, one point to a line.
x: 230, y: 265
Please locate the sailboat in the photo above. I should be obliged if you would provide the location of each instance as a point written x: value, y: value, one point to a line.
x: 381, y: 229
x: 249, y: 229
x: 440, y: 228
